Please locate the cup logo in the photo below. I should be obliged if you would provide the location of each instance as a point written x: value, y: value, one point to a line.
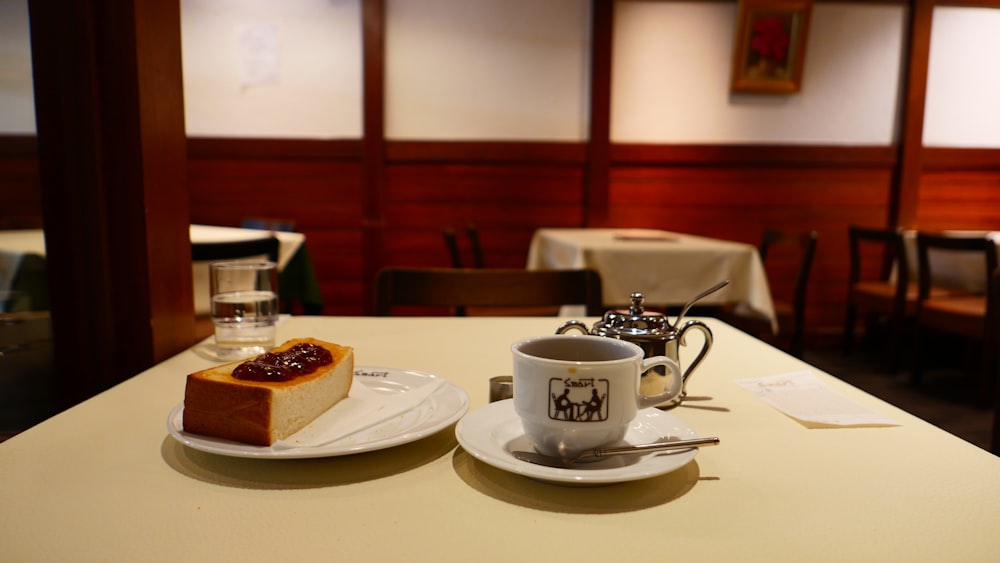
x: 578, y: 399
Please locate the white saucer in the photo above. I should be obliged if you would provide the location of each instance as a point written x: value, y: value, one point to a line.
x: 491, y: 433
x: 441, y: 409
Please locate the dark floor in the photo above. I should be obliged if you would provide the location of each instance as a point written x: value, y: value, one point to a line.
x: 942, y: 399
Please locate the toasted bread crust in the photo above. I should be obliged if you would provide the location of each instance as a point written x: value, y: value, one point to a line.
x: 217, y: 404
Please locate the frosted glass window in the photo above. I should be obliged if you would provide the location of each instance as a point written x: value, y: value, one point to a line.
x: 263, y: 68
x: 963, y: 85
x: 487, y: 69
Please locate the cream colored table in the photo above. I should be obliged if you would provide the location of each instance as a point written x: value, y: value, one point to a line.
x: 668, y: 268
x: 104, y: 481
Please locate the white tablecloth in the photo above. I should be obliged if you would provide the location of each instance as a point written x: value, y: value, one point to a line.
x: 104, y: 481
x: 668, y: 268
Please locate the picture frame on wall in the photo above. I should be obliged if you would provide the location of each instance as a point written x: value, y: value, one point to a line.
x: 770, y: 48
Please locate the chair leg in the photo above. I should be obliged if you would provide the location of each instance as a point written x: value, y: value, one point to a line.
x: 849, y: 324
x: 897, y: 343
x: 798, y: 342
x: 985, y: 378
x: 917, y: 369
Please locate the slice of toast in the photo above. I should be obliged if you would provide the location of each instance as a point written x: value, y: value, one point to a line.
x: 263, y: 412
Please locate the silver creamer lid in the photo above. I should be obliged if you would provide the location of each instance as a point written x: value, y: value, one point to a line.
x: 635, y: 321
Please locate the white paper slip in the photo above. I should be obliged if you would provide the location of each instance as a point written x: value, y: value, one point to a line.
x: 363, y: 408
x: 801, y: 395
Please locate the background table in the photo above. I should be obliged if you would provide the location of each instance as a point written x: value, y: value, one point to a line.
x: 668, y: 268
x: 297, y: 280
x: 23, y: 276
x: 104, y: 481
x: 22, y: 266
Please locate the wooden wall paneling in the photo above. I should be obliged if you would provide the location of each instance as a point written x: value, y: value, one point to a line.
x: 20, y: 192
x: 959, y: 189
x: 952, y: 199
x: 506, y: 200
x: 317, y: 184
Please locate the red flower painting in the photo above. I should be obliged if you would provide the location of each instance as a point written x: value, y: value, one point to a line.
x: 770, y: 44
x: 771, y: 38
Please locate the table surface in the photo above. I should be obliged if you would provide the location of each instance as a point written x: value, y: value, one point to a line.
x: 668, y: 268
x: 105, y: 481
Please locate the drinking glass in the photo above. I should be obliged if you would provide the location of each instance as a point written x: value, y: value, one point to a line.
x: 244, y: 307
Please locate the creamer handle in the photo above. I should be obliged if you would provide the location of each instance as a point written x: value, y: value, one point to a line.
x: 570, y: 325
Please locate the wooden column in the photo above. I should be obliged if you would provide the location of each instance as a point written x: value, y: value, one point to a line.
x: 904, y: 192
x: 111, y: 149
x: 597, y: 177
x: 373, y: 152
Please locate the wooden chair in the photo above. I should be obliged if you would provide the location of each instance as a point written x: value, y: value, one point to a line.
x: 472, y: 232
x: 960, y: 313
x: 268, y: 224
x: 890, y: 293
x: 233, y: 250
x: 486, y: 287
x: 451, y: 244
x: 799, y: 248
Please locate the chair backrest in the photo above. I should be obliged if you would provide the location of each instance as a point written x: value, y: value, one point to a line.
x: 268, y: 224
x: 451, y: 244
x: 893, y: 258
x: 929, y: 242
x: 805, y: 245
x: 486, y: 287
x: 232, y: 250
x: 893, y: 252
x: 477, y: 251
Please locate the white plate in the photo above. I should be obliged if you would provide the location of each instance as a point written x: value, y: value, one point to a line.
x: 438, y: 411
x: 491, y: 433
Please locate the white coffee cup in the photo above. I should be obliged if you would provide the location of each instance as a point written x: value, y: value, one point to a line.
x: 575, y: 392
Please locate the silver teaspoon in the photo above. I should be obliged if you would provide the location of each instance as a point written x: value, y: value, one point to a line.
x: 554, y: 461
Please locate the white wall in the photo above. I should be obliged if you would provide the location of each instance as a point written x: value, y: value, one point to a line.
x: 672, y: 64
x: 963, y: 79
x: 497, y: 69
x: 516, y: 70
x: 263, y: 68
x: 17, y: 97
